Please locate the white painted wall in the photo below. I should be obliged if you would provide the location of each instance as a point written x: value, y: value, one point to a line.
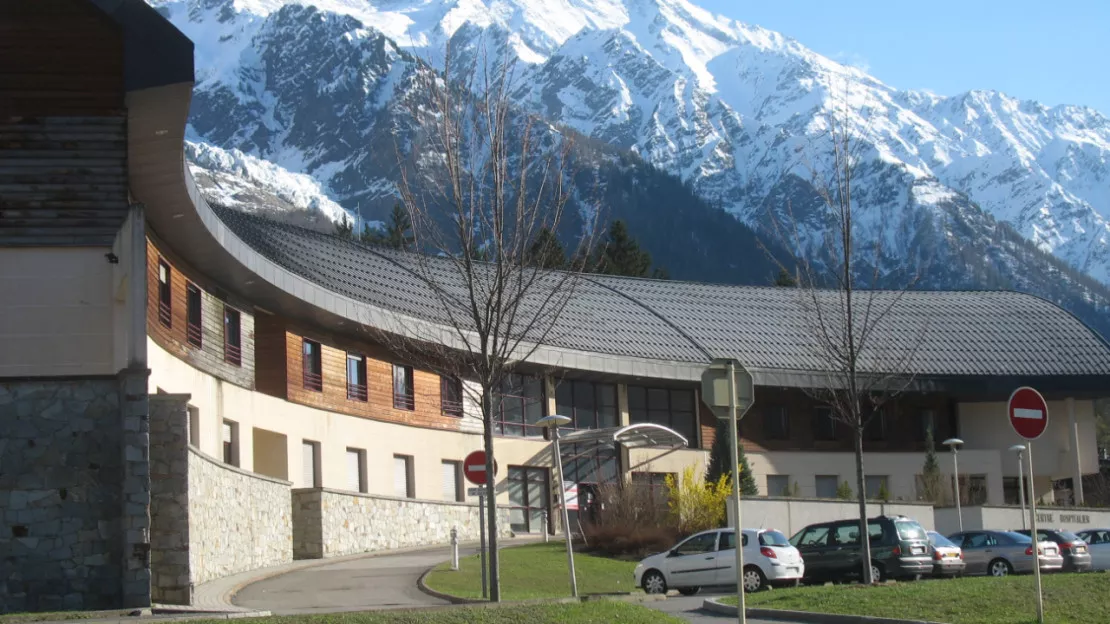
x: 986, y: 426
x: 791, y: 515
x: 1007, y: 518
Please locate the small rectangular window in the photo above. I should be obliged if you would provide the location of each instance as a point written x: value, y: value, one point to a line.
x: 403, y: 481
x: 165, y: 301
x: 403, y: 394
x: 312, y: 372
x: 356, y: 470
x: 875, y: 430
x: 450, y: 394
x: 233, y: 337
x: 310, y: 468
x: 777, y: 421
x: 193, y: 332
x: 356, y: 377
x: 452, y: 481
x: 875, y: 485
x: 778, y: 485
x: 231, y: 442
x: 194, y: 425
x: 827, y: 486
x: 824, y: 424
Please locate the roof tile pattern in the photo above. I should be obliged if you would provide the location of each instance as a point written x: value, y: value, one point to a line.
x: 950, y: 333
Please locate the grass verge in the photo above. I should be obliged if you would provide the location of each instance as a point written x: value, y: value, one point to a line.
x: 536, y: 571
x: 56, y: 616
x: 594, y: 612
x: 1068, y: 598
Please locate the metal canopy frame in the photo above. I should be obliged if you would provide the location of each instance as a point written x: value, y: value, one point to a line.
x: 641, y: 435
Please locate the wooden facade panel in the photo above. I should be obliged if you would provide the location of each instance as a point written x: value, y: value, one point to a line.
x: 270, y: 356
x: 209, y: 357
x: 427, y: 408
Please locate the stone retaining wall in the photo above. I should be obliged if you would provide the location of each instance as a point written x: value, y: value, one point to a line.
x: 170, y: 579
x: 331, y: 523
x: 238, y: 520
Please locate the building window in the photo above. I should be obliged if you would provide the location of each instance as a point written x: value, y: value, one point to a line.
x: 165, y: 304
x: 1011, y: 492
x: 876, y: 484
x: 450, y: 396
x: 194, y: 425
x: 452, y: 481
x: 404, y: 396
x: 356, y: 377
x: 667, y: 407
x: 193, y: 332
x: 233, y: 337
x: 310, y: 463
x: 312, y: 372
x: 528, y: 499
x: 973, y: 489
x: 776, y: 422
x: 875, y: 430
x: 520, y: 407
x: 231, y: 442
x: 778, y: 485
x: 589, y: 405
x: 356, y: 470
x: 824, y: 424
x: 827, y: 486
x: 926, y: 422
x: 403, y: 480
x: 590, y: 464
x: 654, y: 486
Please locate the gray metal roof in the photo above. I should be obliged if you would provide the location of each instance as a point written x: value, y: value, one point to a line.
x: 959, y: 334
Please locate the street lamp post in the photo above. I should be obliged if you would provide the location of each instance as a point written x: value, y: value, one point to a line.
x: 954, y: 444
x: 552, y: 423
x: 1020, y: 450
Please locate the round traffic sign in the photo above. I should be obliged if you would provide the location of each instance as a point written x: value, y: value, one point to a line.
x: 1028, y: 413
x: 474, y: 468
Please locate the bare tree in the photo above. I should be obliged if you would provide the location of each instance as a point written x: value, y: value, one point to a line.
x: 862, y: 368
x: 483, y: 184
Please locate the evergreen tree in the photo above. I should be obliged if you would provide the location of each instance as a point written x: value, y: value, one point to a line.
x: 622, y: 255
x: 398, y: 232
x: 344, y: 228
x: 720, y: 462
x: 546, y: 251
x: 932, y: 482
x: 844, y: 491
x: 661, y: 273
x: 784, y: 278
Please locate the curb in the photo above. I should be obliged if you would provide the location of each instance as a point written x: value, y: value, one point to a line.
x: 807, y: 617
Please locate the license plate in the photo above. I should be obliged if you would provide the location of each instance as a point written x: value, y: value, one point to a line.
x: 1050, y: 551
x: 917, y: 550
x: 1081, y: 549
x: 950, y: 555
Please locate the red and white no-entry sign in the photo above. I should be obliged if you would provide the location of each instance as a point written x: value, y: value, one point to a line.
x: 474, y: 468
x: 1028, y: 413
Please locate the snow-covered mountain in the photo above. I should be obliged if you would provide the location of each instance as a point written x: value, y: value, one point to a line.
x: 739, y: 113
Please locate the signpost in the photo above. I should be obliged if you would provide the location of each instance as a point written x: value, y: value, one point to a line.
x: 474, y: 469
x: 729, y: 390
x: 1028, y: 413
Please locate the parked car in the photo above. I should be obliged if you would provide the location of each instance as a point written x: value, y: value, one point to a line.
x: 1073, y: 548
x: 708, y: 559
x: 831, y: 550
x: 1098, y: 544
x: 948, y: 559
x: 1001, y: 553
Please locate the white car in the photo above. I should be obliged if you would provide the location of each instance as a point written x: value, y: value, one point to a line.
x: 708, y: 559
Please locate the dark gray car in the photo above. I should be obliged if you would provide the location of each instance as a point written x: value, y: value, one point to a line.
x: 1077, y: 556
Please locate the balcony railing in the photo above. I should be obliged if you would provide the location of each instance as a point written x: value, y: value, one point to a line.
x: 356, y: 392
x: 233, y: 354
x: 453, y: 408
x: 404, y: 401
x: 312, y: 381
x: 164, y: 314
x: 194, y: 334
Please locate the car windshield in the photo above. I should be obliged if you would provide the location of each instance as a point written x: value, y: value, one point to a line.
x: 936, y: 539
x: 772, y: 538
x: 908, y: 529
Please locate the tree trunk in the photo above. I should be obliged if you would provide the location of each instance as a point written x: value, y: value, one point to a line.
x: 491, y: 493
x: 864, y: 537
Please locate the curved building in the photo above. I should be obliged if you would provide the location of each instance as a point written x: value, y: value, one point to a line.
x: 189, y: 392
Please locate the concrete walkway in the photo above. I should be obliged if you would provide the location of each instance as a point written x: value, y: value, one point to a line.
x: 690, y: 609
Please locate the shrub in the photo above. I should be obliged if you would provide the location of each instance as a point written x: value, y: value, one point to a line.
x: 695, y: 504
x: 632, y: 521
x: 844, y: 491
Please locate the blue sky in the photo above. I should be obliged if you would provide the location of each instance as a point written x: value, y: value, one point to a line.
x: 1054, y: 51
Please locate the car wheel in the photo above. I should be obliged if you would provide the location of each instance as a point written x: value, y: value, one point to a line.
x: 877, y: 573
x: 689, y: 591
x: 1000, y: 568
x: 654, y: 583
x: 753, y: 579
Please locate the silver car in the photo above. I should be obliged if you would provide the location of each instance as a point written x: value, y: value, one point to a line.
x: 948, y: 559
x: 1001, y: 553
x: 1098, y: 543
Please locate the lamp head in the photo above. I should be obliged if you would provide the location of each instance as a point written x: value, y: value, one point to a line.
x: 953, y: 443
x: 1018, y: 448
x: 554, y: 420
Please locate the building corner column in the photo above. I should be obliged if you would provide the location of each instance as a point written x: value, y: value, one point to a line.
x: 1077, y: 478
x: 623, y: 420
x: 135, y: 512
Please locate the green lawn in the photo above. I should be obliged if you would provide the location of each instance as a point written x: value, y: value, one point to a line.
x: 536, y: 571
x: 1068, y: 599
x: 52, y: 616
x: 594, y: 612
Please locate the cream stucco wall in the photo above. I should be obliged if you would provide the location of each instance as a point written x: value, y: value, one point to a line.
x: 986, y: 426
x: 56, y: 312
